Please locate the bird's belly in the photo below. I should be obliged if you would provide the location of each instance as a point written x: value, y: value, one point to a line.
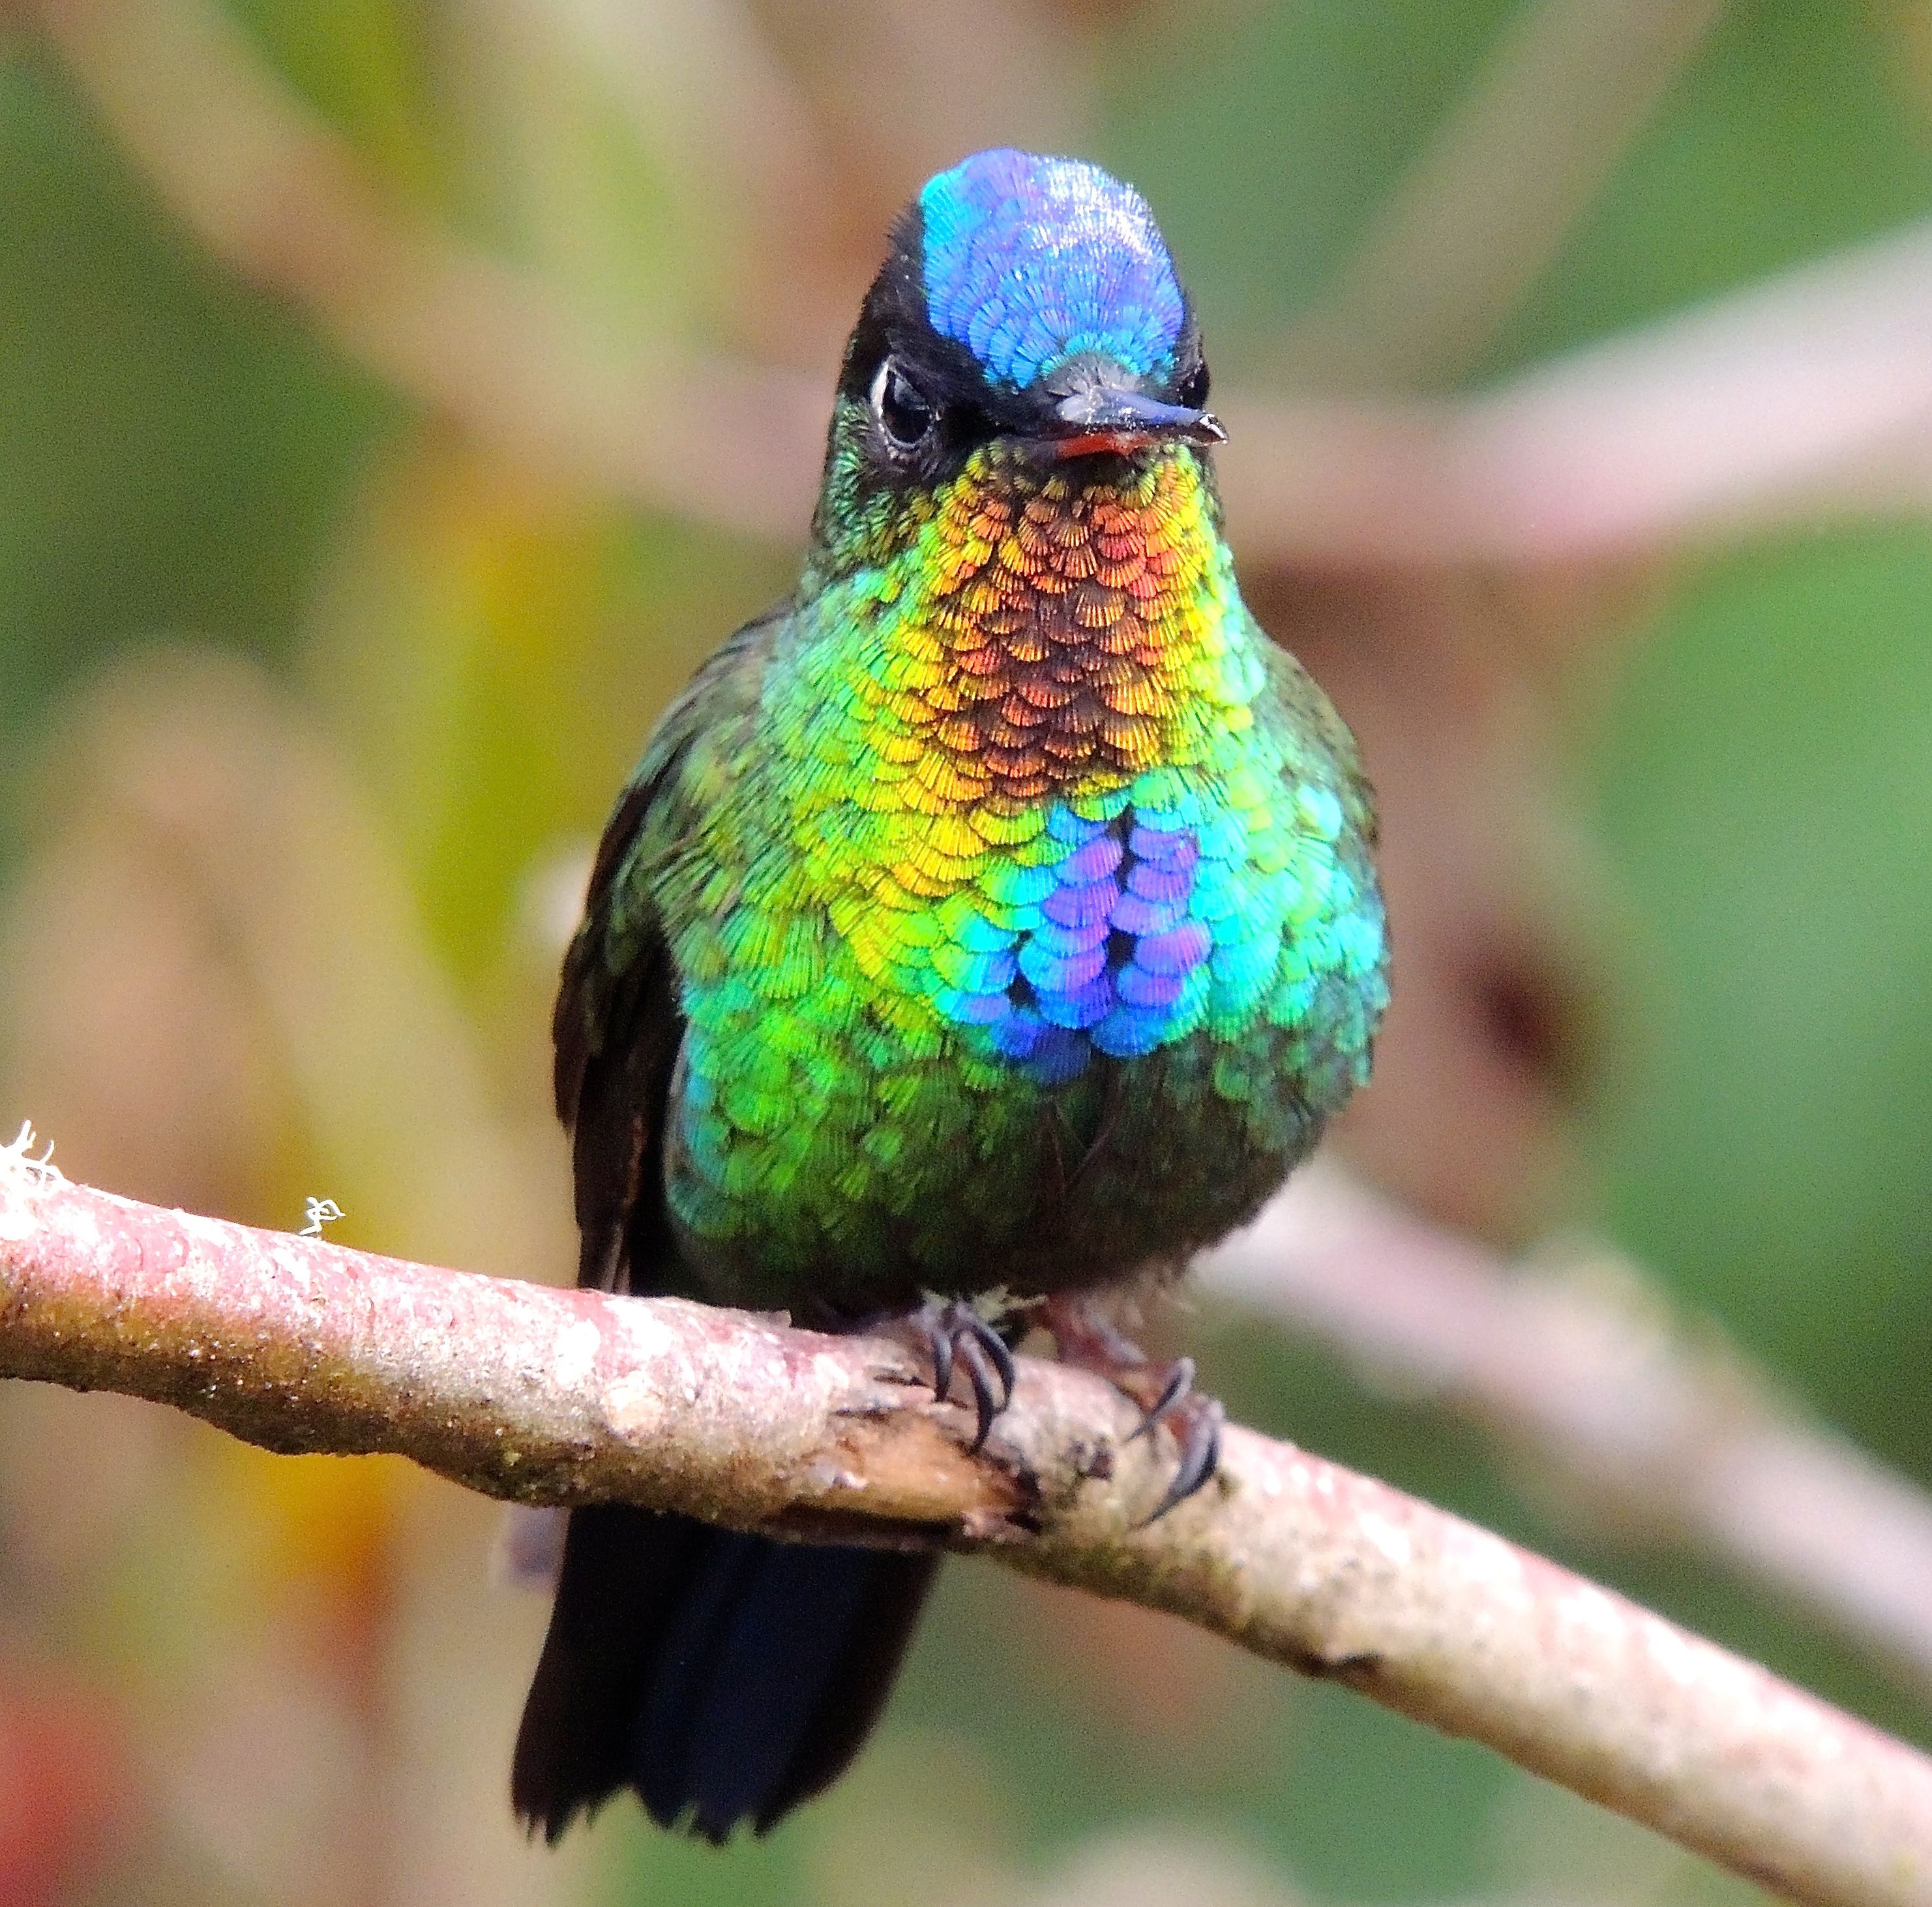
x: 931, y: 1179
x: 958, y: 1121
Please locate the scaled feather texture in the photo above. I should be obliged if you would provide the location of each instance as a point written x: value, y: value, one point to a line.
x: 997, y: 914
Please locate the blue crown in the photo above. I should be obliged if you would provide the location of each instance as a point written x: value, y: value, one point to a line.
x: 1031, y: 261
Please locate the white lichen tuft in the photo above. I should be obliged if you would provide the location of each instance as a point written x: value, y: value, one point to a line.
x: 20, y: 1157
x: 318, y: 1212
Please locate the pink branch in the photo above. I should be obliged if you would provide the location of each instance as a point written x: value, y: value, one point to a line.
x: 561, y: 1397
x: 1809, y: 395
x: 1667, y: 1436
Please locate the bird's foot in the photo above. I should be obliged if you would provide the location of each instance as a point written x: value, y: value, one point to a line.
x: 960, y: 1339
x: 1085, y: 1337
x: 1193, y: 1418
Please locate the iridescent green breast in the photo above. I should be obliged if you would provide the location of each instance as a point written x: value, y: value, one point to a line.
x: 1036, y: 936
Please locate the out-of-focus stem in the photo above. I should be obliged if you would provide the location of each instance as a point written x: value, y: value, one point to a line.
x: 1485, y: 209
x: 1664, y: 1435
x: 268, y: 188
x: 1810, y: 395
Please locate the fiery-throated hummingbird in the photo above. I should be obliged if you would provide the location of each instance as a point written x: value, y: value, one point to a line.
x: 995, y: 915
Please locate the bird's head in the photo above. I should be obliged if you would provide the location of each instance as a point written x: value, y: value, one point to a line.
x: 1027, y: 332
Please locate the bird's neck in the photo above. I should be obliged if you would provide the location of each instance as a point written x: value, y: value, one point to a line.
x: 1036, y: 637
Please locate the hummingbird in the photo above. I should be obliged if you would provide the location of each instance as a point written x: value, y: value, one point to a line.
x: 986, y: 929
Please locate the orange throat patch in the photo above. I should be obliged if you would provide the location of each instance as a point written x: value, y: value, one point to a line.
x: 1055, y: 626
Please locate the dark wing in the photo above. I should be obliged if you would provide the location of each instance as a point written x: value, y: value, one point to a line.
x: 617, y: 1024
x: 725, y: 1677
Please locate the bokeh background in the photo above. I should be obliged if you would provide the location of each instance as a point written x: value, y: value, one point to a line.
x: 397, y: 399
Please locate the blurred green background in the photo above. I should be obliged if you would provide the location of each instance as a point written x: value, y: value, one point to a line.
x: 311, y: 700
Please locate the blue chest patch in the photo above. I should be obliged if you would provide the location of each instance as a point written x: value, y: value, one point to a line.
x: 1030, y: 261
x: 1102, y: 955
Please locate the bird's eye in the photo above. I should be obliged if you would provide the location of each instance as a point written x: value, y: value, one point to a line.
x: 1194, y: 388
x: 904, y: 415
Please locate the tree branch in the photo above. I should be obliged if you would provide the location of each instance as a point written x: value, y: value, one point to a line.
x: 541, y: 1395
x: 1808, y: 396
x: 1478, y: 219
x: 269, y: 189
x: 1580, y: 1365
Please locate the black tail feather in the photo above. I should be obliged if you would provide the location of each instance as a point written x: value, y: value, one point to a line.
x: 725, y: 1677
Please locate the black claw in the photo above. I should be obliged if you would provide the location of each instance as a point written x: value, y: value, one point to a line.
x: 979, y: 1374
x: 939, y: 1336
x: 959, y: 1338
x: 1200, y: 1458
x: 994, y: 1346
x: 1180, y: 1384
